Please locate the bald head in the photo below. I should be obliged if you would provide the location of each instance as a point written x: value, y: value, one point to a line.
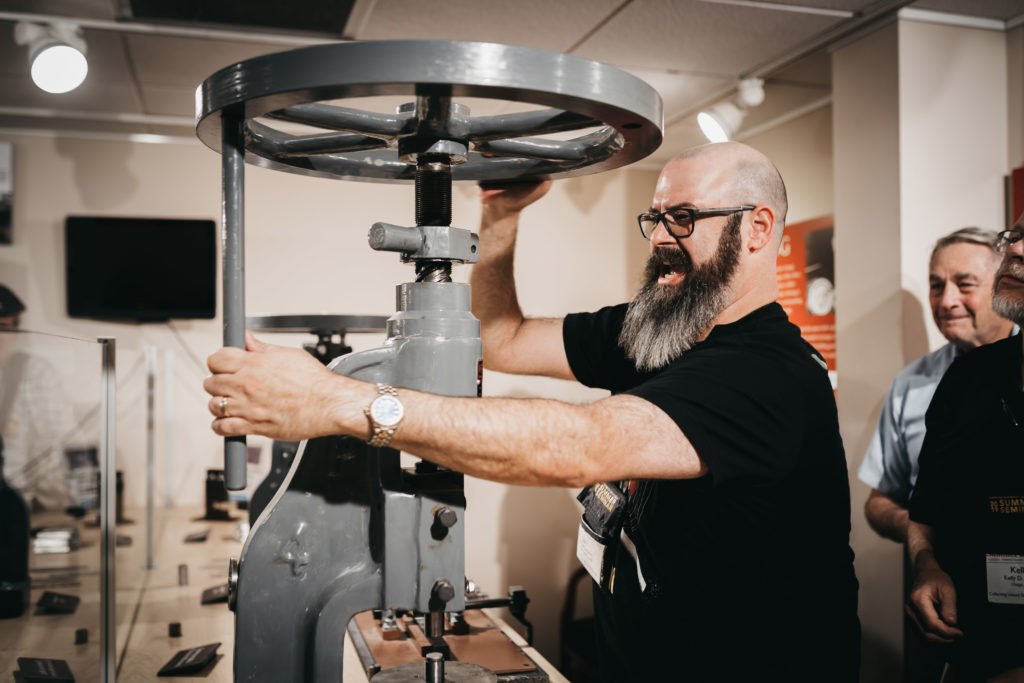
x: 740, y: 174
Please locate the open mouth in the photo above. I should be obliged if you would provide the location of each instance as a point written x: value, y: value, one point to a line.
x: 670, y: 274
x: 672, y: 266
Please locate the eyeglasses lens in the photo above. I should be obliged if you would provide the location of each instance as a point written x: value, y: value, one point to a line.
x: 648, y: 223
x: 680, y: 222
x: 1007, y: 238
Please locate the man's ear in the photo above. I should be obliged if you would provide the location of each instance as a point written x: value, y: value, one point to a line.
x: 762, y: 223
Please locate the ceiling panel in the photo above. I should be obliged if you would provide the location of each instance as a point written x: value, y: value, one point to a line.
x: 88, y: 9
x: 813, y: 70
x: 547, y: 24
x: 108, y: 59
x: 809, y: 5
x: 170, y: 100
x: 679, y: 90
x: 13, y: 60
x: 174, y: 60
x: 706, y: 38
x: 689, y: 50
x: 93, y: 96
x: 1004, y: 10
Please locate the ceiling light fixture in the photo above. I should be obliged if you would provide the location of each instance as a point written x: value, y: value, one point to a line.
x: 56, y: 54
x: 721, y: 121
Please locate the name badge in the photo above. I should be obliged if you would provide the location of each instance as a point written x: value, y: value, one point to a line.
x: 1005, y: 579
x: 596, y: 556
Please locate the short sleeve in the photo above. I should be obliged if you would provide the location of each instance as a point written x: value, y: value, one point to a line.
x: 886, y: 465
x: 592, y: 347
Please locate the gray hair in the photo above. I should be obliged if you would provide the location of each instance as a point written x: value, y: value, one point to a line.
x: 968, y: 235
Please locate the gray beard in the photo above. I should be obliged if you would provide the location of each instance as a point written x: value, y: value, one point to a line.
x: 664, y: 321
x: 1005, y: 306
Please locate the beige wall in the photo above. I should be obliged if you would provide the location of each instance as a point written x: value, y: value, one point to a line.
x: 868, y: 307
x: 802, y: 151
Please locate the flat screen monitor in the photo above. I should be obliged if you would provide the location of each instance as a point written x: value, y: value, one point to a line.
x: 140, y: 269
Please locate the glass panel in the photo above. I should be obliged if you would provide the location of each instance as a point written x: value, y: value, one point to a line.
x: 50, y: 410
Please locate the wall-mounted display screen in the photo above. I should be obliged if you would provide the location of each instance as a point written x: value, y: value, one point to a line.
x: 142, y: 269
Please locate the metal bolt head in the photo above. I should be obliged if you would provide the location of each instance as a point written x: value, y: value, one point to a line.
x: 446, y: 517
x: 443, y: 590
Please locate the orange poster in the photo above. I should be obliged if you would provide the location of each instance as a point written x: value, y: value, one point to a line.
x: 806, y: 274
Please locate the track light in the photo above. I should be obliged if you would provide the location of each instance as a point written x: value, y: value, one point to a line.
x: 720, y: 122
x: 56, y: 54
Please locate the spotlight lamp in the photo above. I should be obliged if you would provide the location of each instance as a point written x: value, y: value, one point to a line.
x: 56, y: 53
x: 721, y: 121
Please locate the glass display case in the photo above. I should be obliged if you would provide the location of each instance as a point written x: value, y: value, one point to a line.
x: 56, y: 504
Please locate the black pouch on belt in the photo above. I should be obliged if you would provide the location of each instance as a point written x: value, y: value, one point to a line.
x: 600, y: 527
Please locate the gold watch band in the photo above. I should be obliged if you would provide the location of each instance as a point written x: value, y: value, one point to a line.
x: 381, y: 435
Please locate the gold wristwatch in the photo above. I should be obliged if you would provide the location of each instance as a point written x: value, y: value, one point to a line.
x: 384, y: 413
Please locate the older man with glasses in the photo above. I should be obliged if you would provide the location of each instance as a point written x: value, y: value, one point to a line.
x: 716, y: 503
x: 966, y: 531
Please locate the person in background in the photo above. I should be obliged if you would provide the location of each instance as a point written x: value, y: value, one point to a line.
x: 960, y: 275
x: 966, y: 531
x: 34, y: 417
x: 719, y: 445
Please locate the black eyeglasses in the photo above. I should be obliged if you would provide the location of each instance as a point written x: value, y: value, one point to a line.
x: 680, y: 221
x: 1006, y: 238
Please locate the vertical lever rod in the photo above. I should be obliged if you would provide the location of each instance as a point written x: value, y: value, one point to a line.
x: 233, y: 254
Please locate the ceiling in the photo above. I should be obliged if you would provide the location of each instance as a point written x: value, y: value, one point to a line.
x: 146, y: 57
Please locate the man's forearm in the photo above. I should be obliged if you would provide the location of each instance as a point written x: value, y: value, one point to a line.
x: 921, y: 547
x: 285, y: 394
x: 565, y: 444
x: 886, y: 516
x: 511, y: 342
x: 494, y: 298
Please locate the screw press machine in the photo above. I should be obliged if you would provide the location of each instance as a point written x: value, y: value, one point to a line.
x: 349, y: 529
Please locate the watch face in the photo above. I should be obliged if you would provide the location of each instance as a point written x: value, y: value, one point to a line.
x: 386, y: 411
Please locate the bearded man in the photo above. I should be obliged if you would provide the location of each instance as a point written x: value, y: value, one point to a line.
x: 719, y: 447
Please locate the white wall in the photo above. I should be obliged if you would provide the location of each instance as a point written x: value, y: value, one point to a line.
x: 952, y: 147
